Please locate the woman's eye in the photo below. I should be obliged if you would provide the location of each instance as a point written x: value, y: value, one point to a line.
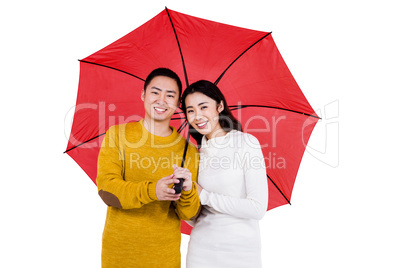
x: 189, y: 111
x: 204, y: 107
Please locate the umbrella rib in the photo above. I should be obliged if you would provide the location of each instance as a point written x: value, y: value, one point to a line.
x: 230, y: 65
x: 102, y: 65
x: 182, y: 126
x: 279, y: 189
x: 82, y: 143
x: 178, y: 44
x: 235, y: 107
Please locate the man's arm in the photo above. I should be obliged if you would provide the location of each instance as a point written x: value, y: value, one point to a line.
x: 119, y: 193
x: 112, y: 187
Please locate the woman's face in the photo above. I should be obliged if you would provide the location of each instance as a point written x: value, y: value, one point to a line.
x: 203, y: 114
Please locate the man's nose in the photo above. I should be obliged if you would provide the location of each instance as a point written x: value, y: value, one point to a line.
x: 162, y: 98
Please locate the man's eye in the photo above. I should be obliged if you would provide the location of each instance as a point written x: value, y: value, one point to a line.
x: 204, y: 107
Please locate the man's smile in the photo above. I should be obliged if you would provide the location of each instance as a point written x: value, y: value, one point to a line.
x: 160, y: 110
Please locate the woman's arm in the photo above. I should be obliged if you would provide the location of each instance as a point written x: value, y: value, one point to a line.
x: 255, y: 204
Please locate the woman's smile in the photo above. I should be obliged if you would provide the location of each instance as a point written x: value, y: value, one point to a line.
x: 202, y: 125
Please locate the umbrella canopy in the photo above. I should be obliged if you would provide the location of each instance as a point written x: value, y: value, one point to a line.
x: 245, y: 64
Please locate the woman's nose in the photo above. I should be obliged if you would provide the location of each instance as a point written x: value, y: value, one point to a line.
x: 198, y: 115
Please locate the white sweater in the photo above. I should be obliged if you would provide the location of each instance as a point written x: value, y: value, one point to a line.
x: 235, y: 196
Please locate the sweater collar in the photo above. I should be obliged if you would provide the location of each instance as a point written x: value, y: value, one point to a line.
x: 158, y: 140
x: 218, y: 141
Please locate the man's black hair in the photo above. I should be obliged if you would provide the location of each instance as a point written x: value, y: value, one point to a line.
x: 164, y: 72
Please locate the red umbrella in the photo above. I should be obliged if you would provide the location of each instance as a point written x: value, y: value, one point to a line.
x: 245, y: 64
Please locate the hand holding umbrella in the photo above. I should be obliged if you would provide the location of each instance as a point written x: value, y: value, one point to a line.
x: 164, y: 192
x: 184, y: 176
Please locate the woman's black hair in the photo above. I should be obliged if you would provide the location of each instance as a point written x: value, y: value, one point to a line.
x: 226, y: 119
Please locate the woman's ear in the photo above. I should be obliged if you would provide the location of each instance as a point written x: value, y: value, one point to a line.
x: 220, y: 107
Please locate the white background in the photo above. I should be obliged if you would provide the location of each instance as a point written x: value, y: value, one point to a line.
x: 346, y: 57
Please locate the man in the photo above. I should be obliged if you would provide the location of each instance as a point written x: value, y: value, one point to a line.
x: 137, y: 166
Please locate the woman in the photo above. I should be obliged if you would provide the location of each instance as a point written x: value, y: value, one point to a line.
x: 232, y: 183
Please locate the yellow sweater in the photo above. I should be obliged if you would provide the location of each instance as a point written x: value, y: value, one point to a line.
x: 141, y: 231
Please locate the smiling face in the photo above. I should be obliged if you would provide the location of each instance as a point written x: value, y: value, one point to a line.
x: 161, y: 99
x: 203, y: 114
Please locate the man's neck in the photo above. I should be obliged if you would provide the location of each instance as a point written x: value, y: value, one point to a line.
x: 158, y: 128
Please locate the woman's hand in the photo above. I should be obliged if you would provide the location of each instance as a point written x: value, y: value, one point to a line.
x: 199, y: 188
x: 184, y: 173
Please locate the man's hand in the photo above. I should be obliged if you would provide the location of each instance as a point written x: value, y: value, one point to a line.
x: 164, y: 192
x: 184, y: 173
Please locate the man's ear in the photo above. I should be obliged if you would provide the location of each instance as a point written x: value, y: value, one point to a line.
x: 143, y: 94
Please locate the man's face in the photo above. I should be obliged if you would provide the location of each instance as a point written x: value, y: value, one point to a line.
x: 161, y: 99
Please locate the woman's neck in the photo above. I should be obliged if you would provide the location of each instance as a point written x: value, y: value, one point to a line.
x: 217, y: 133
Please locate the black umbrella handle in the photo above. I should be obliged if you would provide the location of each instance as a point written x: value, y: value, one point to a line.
x: 179, y: 186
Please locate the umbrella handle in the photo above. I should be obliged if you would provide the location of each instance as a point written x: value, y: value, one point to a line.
x: 178, y: 186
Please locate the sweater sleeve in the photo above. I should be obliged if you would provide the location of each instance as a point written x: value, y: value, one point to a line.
x: 254, y: 205
x: 188, y: 206
x: 112, y: 187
